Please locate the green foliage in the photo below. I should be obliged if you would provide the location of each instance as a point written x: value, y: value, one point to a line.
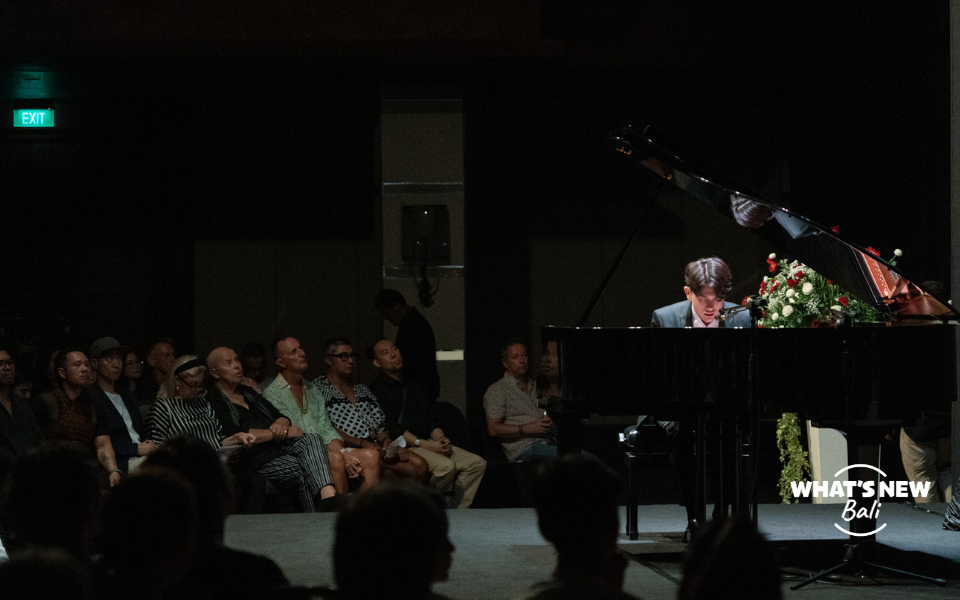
x: 796, y: 462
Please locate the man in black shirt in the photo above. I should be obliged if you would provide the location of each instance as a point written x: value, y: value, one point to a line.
x: 415, y: 340
x: 453, y: 470
x: 18, y: 428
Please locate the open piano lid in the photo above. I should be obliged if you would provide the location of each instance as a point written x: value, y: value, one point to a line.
x: 864, y: 275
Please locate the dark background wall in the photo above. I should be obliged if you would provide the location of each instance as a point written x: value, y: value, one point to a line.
x: 191, y: 187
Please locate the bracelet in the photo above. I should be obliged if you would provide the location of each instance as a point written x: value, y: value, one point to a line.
x: 113, y: 471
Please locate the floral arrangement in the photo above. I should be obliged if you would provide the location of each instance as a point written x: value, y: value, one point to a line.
x: 798, y: 296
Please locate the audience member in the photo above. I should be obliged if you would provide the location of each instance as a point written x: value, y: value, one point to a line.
x: 149, y: 534
x: 549, y: 384
x: 52, y: 500
x: 67, y: 413
x: 216, y: 572
x: 117, y: 409
x: 18, y: 427
x: 577, y: 502
x: 415, y: 339
x: 730, y: 559
x: 23, y: 387
x: 302, y: 402
x: 513, y: 412
x: 132, y: 371
x: 453, y: 470
x: 44, y: 574
x: 355, y: 413
x: 409, y: 526
x: 253, y: 360
x: 160, y: 356
x: 281, y: 451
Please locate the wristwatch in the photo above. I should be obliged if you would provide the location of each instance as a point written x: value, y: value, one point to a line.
x: 416, y: 442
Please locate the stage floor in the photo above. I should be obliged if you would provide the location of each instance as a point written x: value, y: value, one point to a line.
x: 500, y: 553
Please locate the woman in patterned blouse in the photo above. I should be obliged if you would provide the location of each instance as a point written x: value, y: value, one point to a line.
x: 177, y: 412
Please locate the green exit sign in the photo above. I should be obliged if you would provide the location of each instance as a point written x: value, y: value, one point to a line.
x: 33, y: 117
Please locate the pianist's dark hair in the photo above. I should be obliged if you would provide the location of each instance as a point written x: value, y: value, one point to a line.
x: 512, y: 341
x: 711, y: 272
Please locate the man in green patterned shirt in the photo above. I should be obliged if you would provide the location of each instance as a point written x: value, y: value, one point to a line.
x: 304, y: 404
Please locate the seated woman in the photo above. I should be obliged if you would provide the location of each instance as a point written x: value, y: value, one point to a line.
x: 180, y: 409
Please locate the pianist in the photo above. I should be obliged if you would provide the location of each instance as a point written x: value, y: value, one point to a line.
x: 514, y: 413
x: 707, y: 282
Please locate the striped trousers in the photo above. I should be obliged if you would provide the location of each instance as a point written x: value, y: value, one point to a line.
x: 304, y: 464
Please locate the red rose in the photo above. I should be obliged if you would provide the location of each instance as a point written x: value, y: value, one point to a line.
x: 763, y: 287
x: 745, y: 300
x: 792, y: 282
x: 815, y: 323
x: 842, y: 300
x: 873, y: 251
x: 829, y: 282
x: 799, y: 275
x: 835, y: 229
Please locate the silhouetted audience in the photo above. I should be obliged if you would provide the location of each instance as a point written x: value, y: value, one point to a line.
x: 149, y: 534
x: 44, y: 574
x: 18, y: 426
x: 730, y: 559
x: 576, y: 498
x: 216, y: 572
x: 415, y: 339
x: 117, y: 410
x: 391, y: 542
x: 67, y: 413
x: 52, y: 500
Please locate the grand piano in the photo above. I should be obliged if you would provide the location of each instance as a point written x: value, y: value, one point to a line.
x: 907, y: 362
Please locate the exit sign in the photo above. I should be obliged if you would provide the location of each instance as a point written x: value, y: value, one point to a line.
x: 33, y: 117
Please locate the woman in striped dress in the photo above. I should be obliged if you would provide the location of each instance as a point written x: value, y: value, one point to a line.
x: 177, y: 410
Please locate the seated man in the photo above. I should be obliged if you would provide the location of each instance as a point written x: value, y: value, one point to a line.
x: 280, y: 447
x: 302, y: 403
x: 355, y: 413
x: 415, y: 338
x: 67, y: 413
x: 513, y: 413
x: 582, y: 526
x: 407, y: 407
x: 117, y: 408
x: 707, y: 282
x: 18, y: 428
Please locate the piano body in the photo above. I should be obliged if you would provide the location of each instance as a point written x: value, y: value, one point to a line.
x: 827, y: 374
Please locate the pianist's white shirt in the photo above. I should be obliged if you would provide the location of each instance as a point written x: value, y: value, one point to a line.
x: 698, y: 324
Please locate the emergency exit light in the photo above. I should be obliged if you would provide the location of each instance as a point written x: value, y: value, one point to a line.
x: 33, y: 117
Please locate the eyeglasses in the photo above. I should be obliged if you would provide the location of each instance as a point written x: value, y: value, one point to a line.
x: 345, y: 356
x: 6, y: 363
x: 192, y: 386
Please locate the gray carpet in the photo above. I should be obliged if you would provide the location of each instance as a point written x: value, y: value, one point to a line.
x: 500, y: 553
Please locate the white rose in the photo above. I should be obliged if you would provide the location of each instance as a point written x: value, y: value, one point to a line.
x: 787, y: 310
x: 791, y: 293
x: 807, y: 287
x: 775, y: 316
x: 836, y: 307
x: 897, y: 252
x: 766, y: 279
x: 772, y: 256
